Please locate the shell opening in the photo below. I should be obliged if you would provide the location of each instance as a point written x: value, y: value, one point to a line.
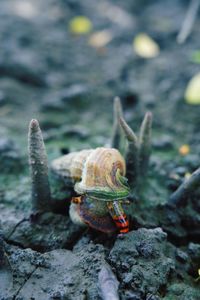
x: 122, y: 180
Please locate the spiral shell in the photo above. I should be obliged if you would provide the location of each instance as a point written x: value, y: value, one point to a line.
x: 70, y: 166
x: 98, y: 173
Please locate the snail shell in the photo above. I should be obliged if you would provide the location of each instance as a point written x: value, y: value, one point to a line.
x: 69, y: 167
x: 98, y: 173
x: 98, y: 176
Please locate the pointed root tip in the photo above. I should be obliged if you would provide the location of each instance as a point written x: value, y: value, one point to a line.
x: 127, y: 130
x: 118, y: 106
x: 117, y: 99
x: 34, y: 124
x: 147, y: 121
x: 149, y: 115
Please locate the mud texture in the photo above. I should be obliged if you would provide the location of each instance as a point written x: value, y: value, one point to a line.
x: 47, y: 73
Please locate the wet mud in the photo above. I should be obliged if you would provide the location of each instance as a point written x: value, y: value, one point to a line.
x: 47, y: 73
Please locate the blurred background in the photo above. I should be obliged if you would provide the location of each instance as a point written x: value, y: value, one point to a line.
x: 63, y: 62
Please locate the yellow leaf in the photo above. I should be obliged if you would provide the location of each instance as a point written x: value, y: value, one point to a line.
x: 145, y: 46
x: 184, y: 150
x: 187, y: 175
x: 100, y: 38
x: 195, y: 57
x: 192, y: 93
x: 80, y: 25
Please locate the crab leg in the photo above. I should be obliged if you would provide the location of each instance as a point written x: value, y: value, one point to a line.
x: 118, y: 215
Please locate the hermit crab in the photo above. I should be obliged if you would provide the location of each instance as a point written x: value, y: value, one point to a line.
x: 101, y: 178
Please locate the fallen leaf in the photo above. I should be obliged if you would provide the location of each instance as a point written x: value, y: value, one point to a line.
x: 184, y: 150
x: 192, y: 92
x: 195, y: 57
x: 100, y: 38
x: 187, y: 175
x: 80, y: 25
x: 145, y: 46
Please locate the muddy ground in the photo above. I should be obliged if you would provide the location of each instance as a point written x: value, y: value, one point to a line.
x: 49, y: 74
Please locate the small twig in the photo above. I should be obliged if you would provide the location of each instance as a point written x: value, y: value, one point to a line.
x: 15, y: 227
x: 189, y: 21
x: 116, y: 134
x: 188, y: 187
x: 41, y: 196
x: 131, y: 153
x: 108, y: 284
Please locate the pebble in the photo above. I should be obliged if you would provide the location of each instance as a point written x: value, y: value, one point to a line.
x: 56, y: 295
x: 181, y: 256
x: 192, y: 161
x: 130, y: 295
x: 6, y: 145
x: 56, y: 100
x: 180, y: 171
x: 152, y: 297
x: 164, y: 142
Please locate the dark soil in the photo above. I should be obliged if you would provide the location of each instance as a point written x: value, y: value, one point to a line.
x: 58, y: 78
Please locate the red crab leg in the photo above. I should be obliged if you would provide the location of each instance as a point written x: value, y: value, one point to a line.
x: 119, y: 217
